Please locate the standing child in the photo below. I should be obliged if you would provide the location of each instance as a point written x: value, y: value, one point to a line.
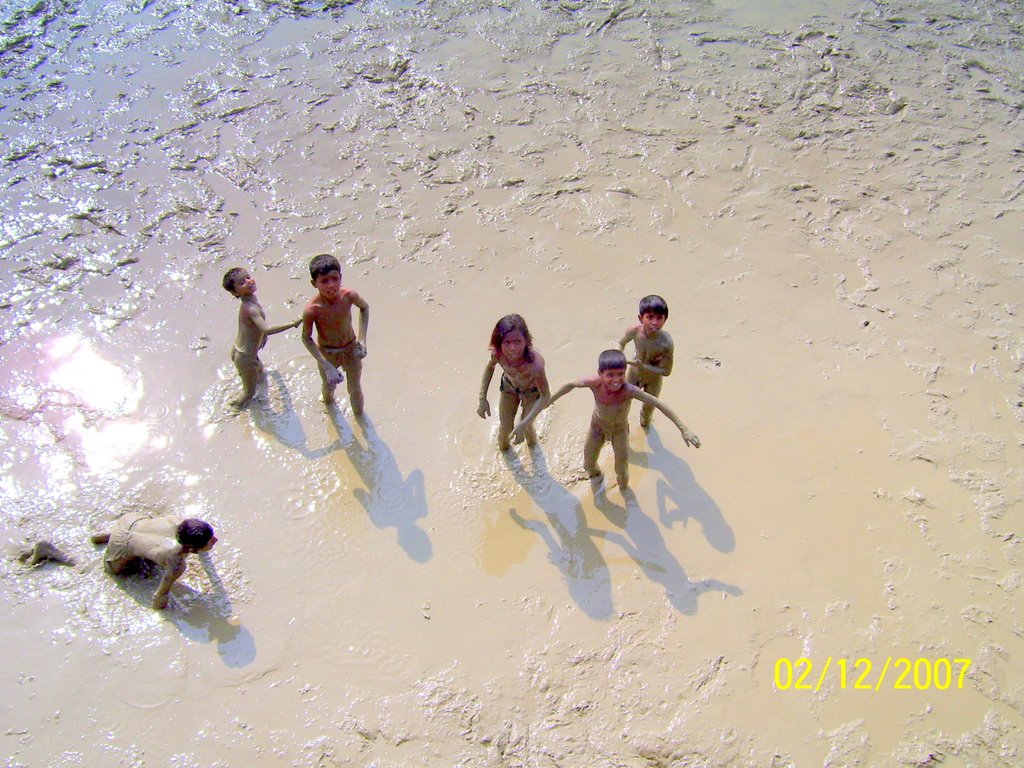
x: 252, y: 332
x: 523, y: 381
x: 330, y: 310
x: 654, y: 347
x: 612, y: 398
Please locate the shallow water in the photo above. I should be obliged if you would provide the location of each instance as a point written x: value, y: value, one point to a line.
x: 827, y: 195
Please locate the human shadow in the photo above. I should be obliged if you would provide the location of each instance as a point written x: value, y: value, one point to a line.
x: 282, y: 423
x: 202, y: 617
x: 390, y: 500
x: 680, y: 497
x: 642, y: 541
x: 571, y: 547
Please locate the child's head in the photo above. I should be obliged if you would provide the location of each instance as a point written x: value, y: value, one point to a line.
x: 196, y: 534
x: 512, y: 338
x: 611, y: 359
x: 653, y: 313
x: 611, y: 368
x: 325, y: 274
x: 323, y: 264
x: 232, y: 278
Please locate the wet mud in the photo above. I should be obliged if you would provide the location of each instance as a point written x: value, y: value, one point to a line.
x: 827, y: 195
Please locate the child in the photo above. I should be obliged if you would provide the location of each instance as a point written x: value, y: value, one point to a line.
x: 612, y: 398
x: 523, y: 381
x: 654, y: 348
x: 166, y: 541
x: 252, y: 332
x: 330, y: 310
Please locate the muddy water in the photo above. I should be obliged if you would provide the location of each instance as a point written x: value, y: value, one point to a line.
x: 827, y: 195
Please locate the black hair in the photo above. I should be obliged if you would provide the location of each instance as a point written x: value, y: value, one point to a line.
x: 322, y: 264
x: 230, y: 277
x: 194, y: 533
x: 653, y: 304
x: 510, y: 323
x: 611, y: 359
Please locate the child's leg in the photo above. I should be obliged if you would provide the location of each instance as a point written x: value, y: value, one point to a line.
x: 353, y: 368
x: 531, y: 433
x: 249, y: 371
x: 620, y: 447
x: 508, y: 404
x: 326, y: 389
x: 591, y: 449
x: 653, y: 388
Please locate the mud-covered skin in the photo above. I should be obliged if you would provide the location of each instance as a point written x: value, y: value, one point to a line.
x: 653, y: 360
x: 524, y: 387
x: 612, y: 399
x: 330, y: 312
x: 137, y: 536
x: 253, y: 331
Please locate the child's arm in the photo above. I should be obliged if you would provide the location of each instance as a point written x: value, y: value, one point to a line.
x: 260, y: 324
x: 663, y: 370
x: 334, y: 376
x: 519, y: 431
x: 688, y: 437
x: 542, y: 402
x: 630, y: 336
x: 483, y: 409
x: 174, y: 568
x: 364, y: 324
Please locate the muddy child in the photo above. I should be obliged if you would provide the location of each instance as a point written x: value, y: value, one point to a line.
x: 337, y: 346
x: 523, y: 384
x: 653, y: 346
x: 252, y: 333
x: 612, y: 398
x: 166, y: 541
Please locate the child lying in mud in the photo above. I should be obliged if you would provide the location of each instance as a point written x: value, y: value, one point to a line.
x: 523, y: 381
x: 252, y: 333
x: 612, y: 398
x: 166, y: 541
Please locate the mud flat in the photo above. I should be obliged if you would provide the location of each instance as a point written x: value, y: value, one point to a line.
x: 827, y: 195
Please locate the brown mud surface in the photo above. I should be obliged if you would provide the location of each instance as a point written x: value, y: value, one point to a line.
x: 829, y: 196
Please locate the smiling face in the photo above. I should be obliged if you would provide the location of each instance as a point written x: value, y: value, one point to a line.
x: 513, y: 344
x: 244, y: 284
x: 612, y: 379
x: 328, y: 285
x: 652, y: 322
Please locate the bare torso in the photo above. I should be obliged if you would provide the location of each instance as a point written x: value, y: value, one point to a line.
x: 611, y: 409
x: 250, y: 338
x: 526, y: 375
x: 333, y: 319
x: 655, y: 350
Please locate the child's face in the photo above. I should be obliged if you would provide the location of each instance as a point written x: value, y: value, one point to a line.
x: 651, y: 322
x: 328, y: 285
x: 244, y: 284
x: 612, y: 379
x: 513, y: 344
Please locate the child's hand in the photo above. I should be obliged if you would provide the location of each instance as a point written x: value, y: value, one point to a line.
x: 689, y: 438
x: 518, y: 433
x: 483, y: 410
x: 360, y: 350
x: 334, y: 376
x: 297, y: 323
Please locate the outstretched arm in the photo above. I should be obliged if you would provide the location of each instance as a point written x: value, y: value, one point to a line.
x: 483, y: 409
x: 519, y: 432
x: 260, y: 323
x: 688, y: 437
x: 333, y: 375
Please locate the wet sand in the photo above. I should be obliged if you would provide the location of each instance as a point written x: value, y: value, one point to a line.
x: 827, y: 195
